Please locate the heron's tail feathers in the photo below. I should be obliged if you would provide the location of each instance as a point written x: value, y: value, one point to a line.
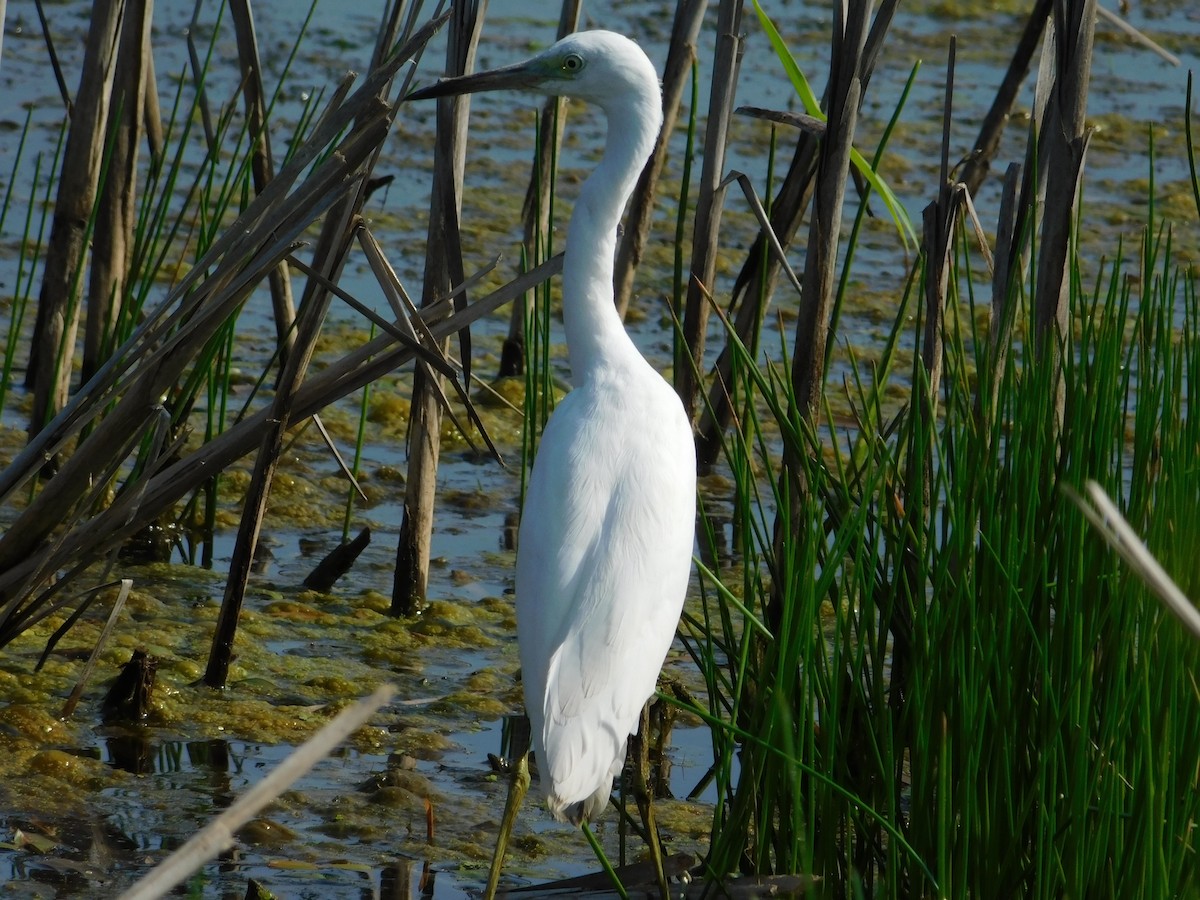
x: 579, y: 811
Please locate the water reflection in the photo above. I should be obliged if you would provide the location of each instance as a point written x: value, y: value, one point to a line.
x: 132, y: 753
x: 332, y: 829
x: 398, y: 881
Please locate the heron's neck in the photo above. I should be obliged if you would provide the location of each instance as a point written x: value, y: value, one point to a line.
x: 595, y: 334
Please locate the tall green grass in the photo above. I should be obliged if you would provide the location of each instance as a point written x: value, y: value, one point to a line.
x: 958, y: 690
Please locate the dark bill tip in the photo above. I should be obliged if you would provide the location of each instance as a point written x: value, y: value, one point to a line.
x: 518, y: 77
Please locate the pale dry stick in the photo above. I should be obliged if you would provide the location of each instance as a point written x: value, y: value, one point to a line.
x: 1119, y: 534
x: 152, y: 112
x: 77, y: 691
x: 1137, y: 35
x: 964, y: 197
x: 764, y: 222
x: 327, y: 439
x: 218, y: 835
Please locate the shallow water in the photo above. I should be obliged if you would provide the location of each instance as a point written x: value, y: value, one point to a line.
x: 103, y: 805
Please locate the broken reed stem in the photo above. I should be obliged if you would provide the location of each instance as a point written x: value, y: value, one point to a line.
x: 978, y: 164
x: 53, y: 341
x: 116, y: 212
x: 76, y: 692
x: 1106, y: 518
x: 706, y: 237
x: 443, y: 273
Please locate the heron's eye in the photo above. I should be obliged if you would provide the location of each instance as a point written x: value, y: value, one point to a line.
x: 572, y: 63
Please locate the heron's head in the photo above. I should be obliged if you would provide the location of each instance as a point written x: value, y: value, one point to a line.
x: 601, y: 67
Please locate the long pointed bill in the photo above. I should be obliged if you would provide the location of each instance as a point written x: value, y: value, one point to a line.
x: 521, y: 76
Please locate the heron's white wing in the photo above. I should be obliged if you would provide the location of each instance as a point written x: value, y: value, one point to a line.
x: 603, y: 562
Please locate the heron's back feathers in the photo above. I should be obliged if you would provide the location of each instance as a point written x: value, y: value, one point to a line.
x: 601, y: 577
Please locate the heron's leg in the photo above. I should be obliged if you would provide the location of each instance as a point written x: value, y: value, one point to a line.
x: 640, y: 753
x: 517, y: 788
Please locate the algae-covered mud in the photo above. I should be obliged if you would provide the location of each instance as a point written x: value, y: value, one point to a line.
x: 409, y: 805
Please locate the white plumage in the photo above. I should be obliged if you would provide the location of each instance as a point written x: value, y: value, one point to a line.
x: 606, y: 533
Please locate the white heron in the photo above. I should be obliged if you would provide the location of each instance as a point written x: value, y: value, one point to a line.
x: 606, y: 534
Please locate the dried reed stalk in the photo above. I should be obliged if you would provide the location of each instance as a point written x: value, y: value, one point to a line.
x: 1062, y: 144
x: 833, y: 167
x: 1106, y: 518
x: 53, y: 341
x: 819, y: 281
x: 443, y: 272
